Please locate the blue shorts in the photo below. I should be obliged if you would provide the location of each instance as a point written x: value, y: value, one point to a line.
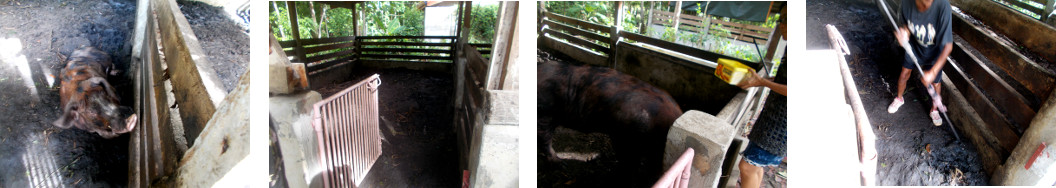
x: 759, y: 157
x: 908, y: 63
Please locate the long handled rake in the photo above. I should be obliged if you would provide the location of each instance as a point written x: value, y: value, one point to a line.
x: 936, y: 99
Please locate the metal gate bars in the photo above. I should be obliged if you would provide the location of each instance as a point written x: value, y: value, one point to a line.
x: 346, y: 128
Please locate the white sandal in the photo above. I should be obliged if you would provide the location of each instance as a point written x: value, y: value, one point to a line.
x: 895, y: 104
x: 935, y: 118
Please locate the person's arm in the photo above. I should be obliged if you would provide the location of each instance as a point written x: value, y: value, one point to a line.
x: 930, y: 75
x: 753, y: 80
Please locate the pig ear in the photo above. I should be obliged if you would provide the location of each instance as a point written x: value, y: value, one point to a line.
x: 69, y: 116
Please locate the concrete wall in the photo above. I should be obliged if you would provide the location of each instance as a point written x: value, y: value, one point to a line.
x: 491, y: 162
x: 1038, y: 138
x: 693, y: 85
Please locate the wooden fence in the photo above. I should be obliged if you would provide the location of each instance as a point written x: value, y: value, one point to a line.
x: 164, y: 64
x: 1027, y: 5
x: 697, y: 24
x: 323, y: 53
x: 593, y: 44
x: 471, y: 102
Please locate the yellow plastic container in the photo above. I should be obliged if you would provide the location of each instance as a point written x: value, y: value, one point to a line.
x: 731, y: 71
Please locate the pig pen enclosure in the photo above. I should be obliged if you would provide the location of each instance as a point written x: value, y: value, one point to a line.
x: 436, y: 96
x: 995, y: 82
x: 38, y: 36
x: 685, y: 72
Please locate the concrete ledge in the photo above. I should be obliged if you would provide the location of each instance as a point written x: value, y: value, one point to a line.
x: 709, y: 136
x: 502, y: 107
x: 291, y: 115
x: 492, y: 164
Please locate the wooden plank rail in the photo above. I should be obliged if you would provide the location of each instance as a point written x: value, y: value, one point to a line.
x: 1025, y: 6
x: 584, y: 24
x: 995, y: 121
x: 696, y: 24
x: 197, y: 87
x: 577, y: 41
x: 406, y: 48
x: 1039, y: 80
x: 1014, y: 104
x: 574, y: 31
x: 687, y: 50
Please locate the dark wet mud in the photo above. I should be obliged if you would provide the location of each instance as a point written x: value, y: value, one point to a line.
x: 222, y: 39
x: 912, y: 151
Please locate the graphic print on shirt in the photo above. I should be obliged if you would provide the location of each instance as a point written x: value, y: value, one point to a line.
x: 925, y: 35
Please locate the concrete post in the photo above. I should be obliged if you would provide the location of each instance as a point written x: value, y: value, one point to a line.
x: 1034, y: 159
x: 709, y: 136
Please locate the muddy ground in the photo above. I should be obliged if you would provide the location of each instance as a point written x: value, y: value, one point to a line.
x: 419, y: 148
x: 222, y: 39
x: 905, y: 136
x: 588, y: 159
x: 34, y: 152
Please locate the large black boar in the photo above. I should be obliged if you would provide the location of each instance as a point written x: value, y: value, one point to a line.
x: 635, y: 115
x: 88, y: 100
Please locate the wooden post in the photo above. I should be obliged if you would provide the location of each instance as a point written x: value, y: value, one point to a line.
x: 503, y: 49
x: 297, y: 48
x: 615, y: 33
x: 647, y: 18
x: 358, y: 31
x: 678, y: 16
x: 775, y: 36
x: 1047, y: 15
x: 464, y: 25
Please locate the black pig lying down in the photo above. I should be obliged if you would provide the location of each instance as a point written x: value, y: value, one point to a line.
x: 635, y: 114
x: 88, y: 100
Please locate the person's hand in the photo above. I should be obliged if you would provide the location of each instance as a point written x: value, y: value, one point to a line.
x: 929, y: 77
x: 902, y: 35
x: 750, y: 80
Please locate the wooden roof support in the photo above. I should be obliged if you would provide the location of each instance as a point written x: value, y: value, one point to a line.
x: 298, y: 49
x: 505, y: 49
x: 615, y: 34
x: 780, y: 30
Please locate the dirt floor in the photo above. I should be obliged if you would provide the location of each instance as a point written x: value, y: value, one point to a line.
x: 912, y: 150
x: 222, y: 39
x: 35, y: 153
x: 419, y: 147
x: 588, y: 159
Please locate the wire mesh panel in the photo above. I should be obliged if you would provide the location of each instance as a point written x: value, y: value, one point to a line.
x: 346, y: 128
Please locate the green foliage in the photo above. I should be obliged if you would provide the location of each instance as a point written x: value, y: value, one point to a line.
x: 599, y: 12
x: 392, y: 18
x: 483, y: 23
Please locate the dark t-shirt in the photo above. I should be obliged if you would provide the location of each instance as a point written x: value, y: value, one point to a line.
x: 929, y: 30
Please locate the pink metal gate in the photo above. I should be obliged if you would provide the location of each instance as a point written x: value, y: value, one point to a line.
x: 346, y: 128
